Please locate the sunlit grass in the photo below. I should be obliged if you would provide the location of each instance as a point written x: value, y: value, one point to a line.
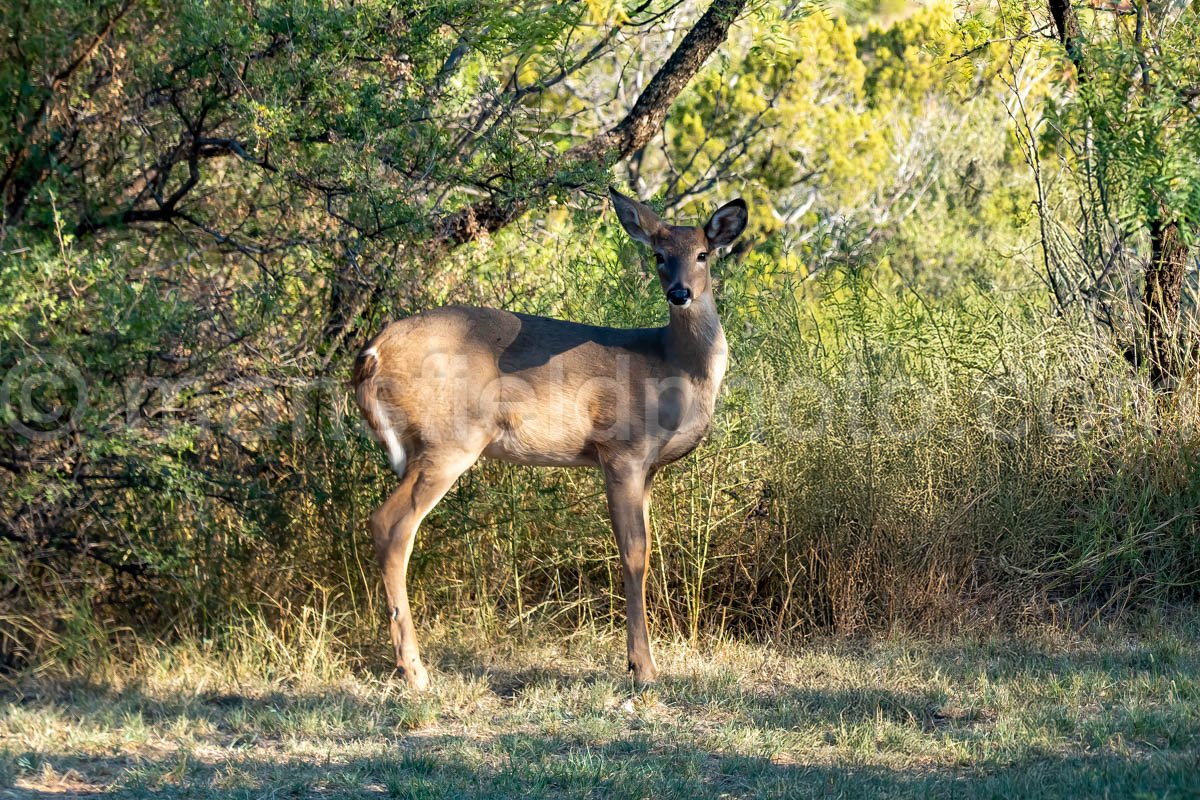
x: 1045, y: 713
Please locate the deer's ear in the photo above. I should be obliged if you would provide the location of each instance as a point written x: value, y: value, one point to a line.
x: 727, y: 223
x: 637, y: 219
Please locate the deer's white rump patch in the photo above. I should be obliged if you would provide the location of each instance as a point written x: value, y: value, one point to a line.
x: 396, y: 454
x: 378, y: 415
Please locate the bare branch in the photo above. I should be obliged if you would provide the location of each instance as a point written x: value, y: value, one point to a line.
x: 633, y: 132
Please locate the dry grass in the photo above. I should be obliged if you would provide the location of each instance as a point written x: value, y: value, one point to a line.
x: 1115, y: 712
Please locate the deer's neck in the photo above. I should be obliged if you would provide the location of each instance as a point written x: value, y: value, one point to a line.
x: 695, y: 341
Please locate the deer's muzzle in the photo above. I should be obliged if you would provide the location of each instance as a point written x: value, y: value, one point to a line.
x: 679, y: 296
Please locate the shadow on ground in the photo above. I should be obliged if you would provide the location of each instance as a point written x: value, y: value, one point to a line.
x: 636, y: 766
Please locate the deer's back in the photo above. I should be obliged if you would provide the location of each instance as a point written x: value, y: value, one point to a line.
x: 527, y: 389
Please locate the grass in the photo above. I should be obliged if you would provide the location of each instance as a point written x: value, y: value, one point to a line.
x: 1113, y: 713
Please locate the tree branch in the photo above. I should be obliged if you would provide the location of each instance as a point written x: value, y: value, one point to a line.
x: 631, y: 133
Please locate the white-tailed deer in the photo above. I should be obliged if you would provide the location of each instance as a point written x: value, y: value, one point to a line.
x: 444, y: 387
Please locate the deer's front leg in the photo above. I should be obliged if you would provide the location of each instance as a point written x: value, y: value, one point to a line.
x: 629, y: 509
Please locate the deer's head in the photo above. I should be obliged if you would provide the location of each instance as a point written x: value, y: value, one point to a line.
x: 682, y: 251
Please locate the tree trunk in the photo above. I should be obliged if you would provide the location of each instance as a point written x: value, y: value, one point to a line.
x: 1160, y: 302
x: 1066, y: 24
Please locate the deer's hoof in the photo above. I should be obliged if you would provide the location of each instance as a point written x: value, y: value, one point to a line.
x: 643, y: 674
x: 415, y: 675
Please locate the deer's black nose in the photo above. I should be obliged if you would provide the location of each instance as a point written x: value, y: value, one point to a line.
x: 679, y: 296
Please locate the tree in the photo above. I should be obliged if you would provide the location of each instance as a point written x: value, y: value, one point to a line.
x: 1136, y: 129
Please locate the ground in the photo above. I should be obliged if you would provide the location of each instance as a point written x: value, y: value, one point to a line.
x: 1111, y: 712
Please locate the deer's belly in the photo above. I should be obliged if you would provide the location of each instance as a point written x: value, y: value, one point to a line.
x: 542, y: 443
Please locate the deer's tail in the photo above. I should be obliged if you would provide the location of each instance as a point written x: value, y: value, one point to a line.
x: 366, y: 393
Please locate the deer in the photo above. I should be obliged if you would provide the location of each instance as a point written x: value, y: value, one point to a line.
x: 448, y: 386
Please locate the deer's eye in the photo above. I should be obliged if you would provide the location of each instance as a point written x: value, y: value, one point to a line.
x: 658, y: 258
x: 702, y: 257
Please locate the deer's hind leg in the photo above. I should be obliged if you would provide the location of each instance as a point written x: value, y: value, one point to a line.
x: 427, y: 478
